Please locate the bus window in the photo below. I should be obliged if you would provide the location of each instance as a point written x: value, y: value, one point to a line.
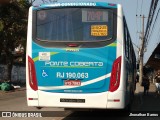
x: 126, y: 42
x: 74, y: 24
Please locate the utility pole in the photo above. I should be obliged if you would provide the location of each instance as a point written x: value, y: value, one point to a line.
x: 141, y: 53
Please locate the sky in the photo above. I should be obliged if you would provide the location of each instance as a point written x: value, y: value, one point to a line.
x: 131, y: 9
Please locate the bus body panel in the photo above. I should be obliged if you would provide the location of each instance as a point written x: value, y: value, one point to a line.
x: 81, y: 65
x: 116, y: 100
x: 105, y: 100
x: 90, y: 67
x: 91, y: 100
x: 32, y: 98
x: 97, y: 100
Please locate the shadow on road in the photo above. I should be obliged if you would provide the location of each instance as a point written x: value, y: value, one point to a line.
x: 97, y: 115
x: 141, y: 104
x: 150, y: 102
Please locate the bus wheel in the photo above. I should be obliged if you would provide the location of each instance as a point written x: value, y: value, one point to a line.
x: 39, y: 108
x: 128, y: 108
x: 131, y: 97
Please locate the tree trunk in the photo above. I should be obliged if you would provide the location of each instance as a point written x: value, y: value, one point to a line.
x: 9, y: 62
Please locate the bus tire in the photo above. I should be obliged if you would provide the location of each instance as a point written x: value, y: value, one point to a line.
x: 39, y: 108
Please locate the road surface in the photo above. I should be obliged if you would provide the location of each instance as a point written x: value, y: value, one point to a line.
x: 16, y: 101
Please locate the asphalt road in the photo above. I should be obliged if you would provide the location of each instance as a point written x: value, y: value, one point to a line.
x: 16, y: 101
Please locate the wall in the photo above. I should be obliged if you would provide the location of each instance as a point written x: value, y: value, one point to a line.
x: 18, y: 73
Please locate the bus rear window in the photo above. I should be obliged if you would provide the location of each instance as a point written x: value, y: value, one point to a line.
x: 74, y: 24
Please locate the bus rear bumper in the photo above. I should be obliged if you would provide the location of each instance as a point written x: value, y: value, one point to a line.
x: 116, y: 100
x: 105, y: 100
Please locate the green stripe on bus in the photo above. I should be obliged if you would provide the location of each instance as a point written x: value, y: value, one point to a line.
x: 113, y: 44
x: 36, y: 59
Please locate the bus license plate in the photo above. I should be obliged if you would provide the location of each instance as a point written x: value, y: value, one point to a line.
x: 72, y: 100
x: 72, y: 82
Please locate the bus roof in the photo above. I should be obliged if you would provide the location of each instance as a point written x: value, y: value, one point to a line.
x: 75, y: 4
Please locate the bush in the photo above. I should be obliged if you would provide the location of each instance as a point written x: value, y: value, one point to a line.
x: 5, y: 87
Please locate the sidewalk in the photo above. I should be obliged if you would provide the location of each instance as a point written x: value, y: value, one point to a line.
x: 139, y: 88
x: 146, y: 102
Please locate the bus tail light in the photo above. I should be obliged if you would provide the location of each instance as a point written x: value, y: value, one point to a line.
x: 111, y: 4
x: 72, y: 45
x: 32, y: 74
x: 115, y: 75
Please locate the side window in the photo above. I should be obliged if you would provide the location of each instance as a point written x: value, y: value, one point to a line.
x: 126, y: 41
x: 129, y: 48
x: 131, y: 53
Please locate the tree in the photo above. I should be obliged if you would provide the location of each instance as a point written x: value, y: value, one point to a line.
x: 13, y: 29
x: 4, y: 1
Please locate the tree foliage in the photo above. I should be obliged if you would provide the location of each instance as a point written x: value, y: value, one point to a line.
x: 13, y: 29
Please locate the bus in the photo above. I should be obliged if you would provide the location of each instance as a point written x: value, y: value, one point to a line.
x: 79, y: 55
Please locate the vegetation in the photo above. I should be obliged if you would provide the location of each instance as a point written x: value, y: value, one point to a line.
x: 13, y: 28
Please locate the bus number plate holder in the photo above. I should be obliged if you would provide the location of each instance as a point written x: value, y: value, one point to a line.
x: 72, y: 100
x: 72, y: 82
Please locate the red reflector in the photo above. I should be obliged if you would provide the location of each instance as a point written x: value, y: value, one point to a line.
x: 115, y: 75
x: 30, y: 98
x: 32, y: 74
x: 72, y: 45
x: 116, y: 100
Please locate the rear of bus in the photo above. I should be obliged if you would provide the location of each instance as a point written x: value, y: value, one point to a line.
x: 74, y: 56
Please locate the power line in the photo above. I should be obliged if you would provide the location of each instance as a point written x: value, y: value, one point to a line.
x: 153, y: 7
x: 153, y: 26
